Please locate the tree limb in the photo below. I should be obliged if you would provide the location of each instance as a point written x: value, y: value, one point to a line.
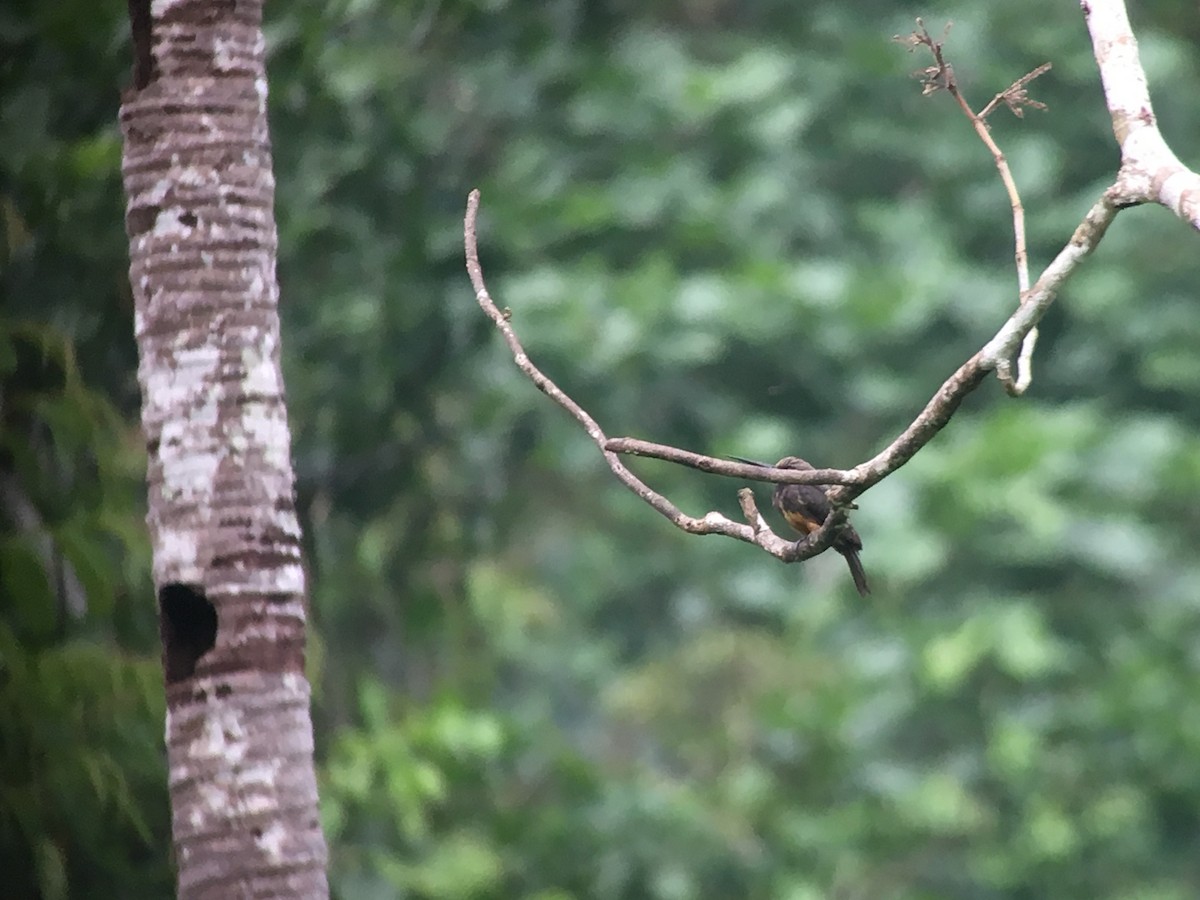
x: 1150, y: 171
x: 937, y: 412
x: 756, y: 533
x: 940, y: 76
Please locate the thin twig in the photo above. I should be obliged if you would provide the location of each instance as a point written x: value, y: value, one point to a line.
x: 1015, y: 97
x: 730, y: 468
x: 750, y: 510
x: 940, y: 76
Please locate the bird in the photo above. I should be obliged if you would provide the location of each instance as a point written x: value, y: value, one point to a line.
x: 806, y: 507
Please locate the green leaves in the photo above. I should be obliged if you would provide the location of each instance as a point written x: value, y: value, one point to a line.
x: 84, y: 779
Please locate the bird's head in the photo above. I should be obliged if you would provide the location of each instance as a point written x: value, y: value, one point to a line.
x: 792, y: 462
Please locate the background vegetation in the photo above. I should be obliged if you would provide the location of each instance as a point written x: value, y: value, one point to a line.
x: 732, y: 226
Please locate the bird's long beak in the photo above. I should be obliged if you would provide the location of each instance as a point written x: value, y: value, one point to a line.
x: 750, y: 462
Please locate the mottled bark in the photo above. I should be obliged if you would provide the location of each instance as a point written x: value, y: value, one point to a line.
x: 227, y: 568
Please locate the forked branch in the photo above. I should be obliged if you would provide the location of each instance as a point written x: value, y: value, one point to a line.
x: 754, y: 531
x: 940, y: 76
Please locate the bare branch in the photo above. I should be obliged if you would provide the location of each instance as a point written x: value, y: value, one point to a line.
x: 730, y: 468
x: 750, y: 510
x: 1038, y: 299
x: 847, y: 484
x: 851, y: 483
x: 1016, y: 97
x: 712, y: 522
x: 1150, y: 171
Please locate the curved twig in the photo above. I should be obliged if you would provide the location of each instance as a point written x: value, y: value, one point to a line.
x: 756, y: 533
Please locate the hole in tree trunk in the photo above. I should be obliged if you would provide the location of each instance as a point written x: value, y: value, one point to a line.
x: 188, y: 622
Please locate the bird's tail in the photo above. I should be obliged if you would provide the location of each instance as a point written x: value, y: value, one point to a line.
x: 856, y: 571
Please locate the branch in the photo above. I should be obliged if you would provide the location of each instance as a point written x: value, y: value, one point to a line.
x: 848, y: 483
x: 940, y: 76
x: 1150, y: 171
x: 727, y: 467
x: 756, y: 532
x: 938, y: 411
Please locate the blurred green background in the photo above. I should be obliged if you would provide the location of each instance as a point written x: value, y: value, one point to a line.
x: 732, y: 226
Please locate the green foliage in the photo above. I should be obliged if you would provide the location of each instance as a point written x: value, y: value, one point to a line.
x: 83, y: 802
x: 82, y: 775
x: 733, y: 227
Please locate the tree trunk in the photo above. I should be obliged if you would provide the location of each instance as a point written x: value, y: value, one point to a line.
x: 227, y: 567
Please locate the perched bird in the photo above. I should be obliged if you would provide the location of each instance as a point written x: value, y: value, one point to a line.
x: 806, y: 507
